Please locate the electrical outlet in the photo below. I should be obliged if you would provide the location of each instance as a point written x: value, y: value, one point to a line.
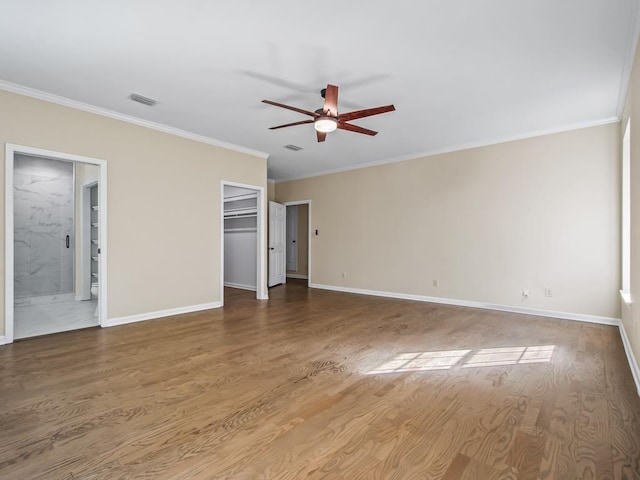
x: 547, y: 292
x: 525, y: 293
x: 436, y: 283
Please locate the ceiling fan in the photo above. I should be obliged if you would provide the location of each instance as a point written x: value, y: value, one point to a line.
x: 327, y: 119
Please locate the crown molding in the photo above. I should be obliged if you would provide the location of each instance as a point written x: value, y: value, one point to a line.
x: 85, y: 107
x: 458, y: 148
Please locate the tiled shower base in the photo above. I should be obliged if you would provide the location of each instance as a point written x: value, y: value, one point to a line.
x: 42, y: 315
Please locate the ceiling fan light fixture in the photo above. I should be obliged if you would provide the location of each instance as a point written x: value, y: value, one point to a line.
x: 325, y: 124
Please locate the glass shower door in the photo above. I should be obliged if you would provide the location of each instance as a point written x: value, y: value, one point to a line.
x: 43, y: 227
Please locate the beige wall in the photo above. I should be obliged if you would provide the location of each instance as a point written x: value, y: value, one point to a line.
x: 485, y: 223
x: 163, y: 200
x: 271, y: 191
x: 631, y: 313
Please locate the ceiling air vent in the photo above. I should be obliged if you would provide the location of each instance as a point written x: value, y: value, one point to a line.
x: 295, y: 148
x: 149, y: 102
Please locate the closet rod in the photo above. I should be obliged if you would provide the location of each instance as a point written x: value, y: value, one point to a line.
x: 235, y: 230
x: 241, y: 215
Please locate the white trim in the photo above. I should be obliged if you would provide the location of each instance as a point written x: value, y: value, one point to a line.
x: 112, y: 322
x: 309, y: 223
x: 261, y: 288
x: 240, y: 286
x: 631, y: 358
x: 67, y: 102
x: 8, y: 244
x: 626, y: 297
x: 295, y: 275
x: 10, y: 151
x: 486, y: 306
x: 2, y: 340
x: 455, y: 148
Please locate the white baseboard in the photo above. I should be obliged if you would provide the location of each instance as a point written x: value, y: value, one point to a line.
x: 112, y: 322
x: 240, y: 286
x: 3, y: 341
x: 487, y: 306
x: 635, y: 371
x: 295, y: 275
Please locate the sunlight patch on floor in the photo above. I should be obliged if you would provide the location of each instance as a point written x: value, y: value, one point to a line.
x: 446, y: 359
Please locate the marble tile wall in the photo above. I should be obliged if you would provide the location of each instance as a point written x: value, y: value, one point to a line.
x: 43, y: 217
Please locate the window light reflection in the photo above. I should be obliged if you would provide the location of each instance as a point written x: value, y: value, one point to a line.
x: 485, y: 357
x: 421, y: 361
x: 489, y: 357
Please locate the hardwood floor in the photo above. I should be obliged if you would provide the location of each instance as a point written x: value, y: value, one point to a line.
x: 315, y: 384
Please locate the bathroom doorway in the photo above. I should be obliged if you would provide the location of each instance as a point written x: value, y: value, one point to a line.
x: 299, y: 240
x: 54, y: 242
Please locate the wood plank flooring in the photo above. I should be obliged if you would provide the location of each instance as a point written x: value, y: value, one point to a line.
x: 322, y: 385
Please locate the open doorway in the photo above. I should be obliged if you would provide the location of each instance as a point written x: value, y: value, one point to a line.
x: 55, y: 242
x: 298, y: 243
x: 243, y: 256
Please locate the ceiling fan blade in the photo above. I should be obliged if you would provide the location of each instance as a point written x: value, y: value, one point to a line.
x: 365, y: 113
x: 291, y: 124
x: 321, y: 136
x: 288, y: 107
x: 355, y: 128
x: 331, y: 101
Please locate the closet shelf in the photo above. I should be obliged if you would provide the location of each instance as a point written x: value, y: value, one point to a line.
x: 94, y: 274
x: 94, y: 224
x: 240, y: 211
x: 95, y: 207
x: 241, y: 197
x: 95, y: 242
x: 240, y: 215
x: 236, y: 230
x: 95, y: 259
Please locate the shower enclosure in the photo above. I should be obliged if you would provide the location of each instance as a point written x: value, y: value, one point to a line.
x: 43, y: 227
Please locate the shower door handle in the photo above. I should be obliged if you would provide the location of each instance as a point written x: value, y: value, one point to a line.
x: 66, y: 241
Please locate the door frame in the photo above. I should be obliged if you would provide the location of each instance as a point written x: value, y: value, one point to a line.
x: 11, y: 150
x: 261, y: 289
x: 309, y: 236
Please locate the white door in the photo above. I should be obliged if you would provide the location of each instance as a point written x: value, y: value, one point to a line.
x: 292, y: 238
x: 277, y: 230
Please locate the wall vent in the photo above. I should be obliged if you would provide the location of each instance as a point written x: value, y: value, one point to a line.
x: 295, y: 148
x: 149, y: 102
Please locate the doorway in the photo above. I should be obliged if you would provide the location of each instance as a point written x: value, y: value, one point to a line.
x: 243, y: 240
x: 298, y: 242
x: 44, y: 225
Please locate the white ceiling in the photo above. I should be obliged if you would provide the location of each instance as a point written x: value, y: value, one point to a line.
x: 460, y: 73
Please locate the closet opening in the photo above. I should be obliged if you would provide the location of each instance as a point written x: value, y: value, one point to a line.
x: 242, y: 264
